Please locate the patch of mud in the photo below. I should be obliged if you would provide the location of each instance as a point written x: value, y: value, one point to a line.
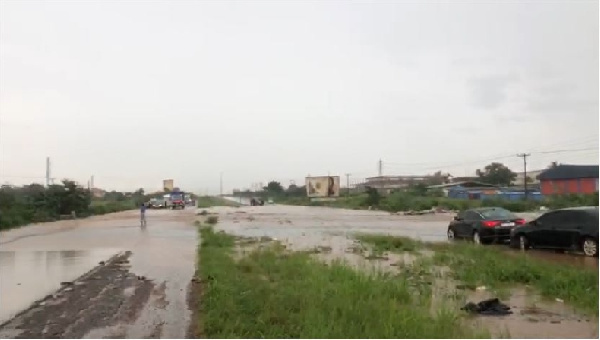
x: 103, y: 297
x: 194, y: 294
x: 534, y: 317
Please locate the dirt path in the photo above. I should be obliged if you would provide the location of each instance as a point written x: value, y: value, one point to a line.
x: 134, y: 282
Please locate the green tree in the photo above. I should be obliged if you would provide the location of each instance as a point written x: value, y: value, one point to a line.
x: 373, y: 197
x: 418, y: 189
x: 274, y: 188
x: 497, y: 174
x: 296, y: 191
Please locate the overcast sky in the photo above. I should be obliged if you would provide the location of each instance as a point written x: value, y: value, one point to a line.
x: 134, y: 92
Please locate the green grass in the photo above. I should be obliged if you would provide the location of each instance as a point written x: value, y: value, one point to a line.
x: 275, y: 294
x: 210, y: 201
x: 500, y: 270
x: 381, y: 243
x: 493, y: 267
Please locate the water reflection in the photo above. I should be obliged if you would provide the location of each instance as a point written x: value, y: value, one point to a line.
x: 26, y: 276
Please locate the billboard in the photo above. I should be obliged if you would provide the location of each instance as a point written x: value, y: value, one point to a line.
x: 323, y: 186
x: 168, y: 185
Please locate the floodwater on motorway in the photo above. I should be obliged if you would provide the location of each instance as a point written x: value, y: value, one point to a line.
x: 36, y: 259
x: 29, y: 275
x: 304, y: 228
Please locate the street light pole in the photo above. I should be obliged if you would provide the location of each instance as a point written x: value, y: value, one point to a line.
x: 347, y: 185
x: 221, y: 184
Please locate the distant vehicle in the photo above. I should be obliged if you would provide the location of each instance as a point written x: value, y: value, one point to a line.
x: 569, y: 229
x: 155, y: 203
x: 270, y: 201
x: 484, y: 225
x: 177, y: 200
x: 256, y: 202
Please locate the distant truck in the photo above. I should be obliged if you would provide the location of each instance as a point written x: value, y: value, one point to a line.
x: 177, y: 200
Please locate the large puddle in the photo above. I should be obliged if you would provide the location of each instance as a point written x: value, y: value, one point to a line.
x: 27, y: 276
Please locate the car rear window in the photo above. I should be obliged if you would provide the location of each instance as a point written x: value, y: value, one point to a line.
x: 497, y: 214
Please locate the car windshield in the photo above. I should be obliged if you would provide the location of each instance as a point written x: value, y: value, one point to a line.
x: 497, y: 214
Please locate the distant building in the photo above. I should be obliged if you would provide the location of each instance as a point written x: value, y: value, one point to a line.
x: 569, y: 179
x: 98, y: 193
x: 388, y: 184
x: 452, y: 179
x: 466, y: 189
x: 473, y: 190
x: 532, y: 175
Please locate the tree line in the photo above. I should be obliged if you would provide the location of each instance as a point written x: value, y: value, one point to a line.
x: 21, y: 205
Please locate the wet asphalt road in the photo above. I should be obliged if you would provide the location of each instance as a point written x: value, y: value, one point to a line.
x: 35, y: 260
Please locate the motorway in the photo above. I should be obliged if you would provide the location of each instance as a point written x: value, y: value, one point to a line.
x: 34, y: 260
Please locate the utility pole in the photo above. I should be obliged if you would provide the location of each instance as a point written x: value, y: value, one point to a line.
x: 524, y: 155
x: 92, y: 182
x: 380, y: 168
x: 47, y: 172
x: 347, y: 184
x: 221, y: 183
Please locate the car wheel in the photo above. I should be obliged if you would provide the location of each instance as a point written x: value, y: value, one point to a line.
x: 590, y: 247
x: 476, y: 237
x: 451, y: 235
x: 523, y: 242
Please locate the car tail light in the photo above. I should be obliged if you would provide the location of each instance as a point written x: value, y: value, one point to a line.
x: 520, y: 221
x: 490, y: 224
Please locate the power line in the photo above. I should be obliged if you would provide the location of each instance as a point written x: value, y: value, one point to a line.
x: 489, y: 159
x: 567, y: 150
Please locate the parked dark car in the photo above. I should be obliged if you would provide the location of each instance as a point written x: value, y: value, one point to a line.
x: 568, y: 229
x: 484, y: 225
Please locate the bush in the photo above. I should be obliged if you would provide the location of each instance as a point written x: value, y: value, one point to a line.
x: 36, y: 203
x: 212, y: 219
x: 564, y: 201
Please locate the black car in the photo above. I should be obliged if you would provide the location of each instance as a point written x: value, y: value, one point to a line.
x: 484, y: 225
x: 567, y: 229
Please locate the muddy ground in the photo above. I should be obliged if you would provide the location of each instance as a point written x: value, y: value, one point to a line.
x: 142, y: 290
x: 329, y: 233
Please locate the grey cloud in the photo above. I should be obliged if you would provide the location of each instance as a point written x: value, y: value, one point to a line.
x: 490, y: 92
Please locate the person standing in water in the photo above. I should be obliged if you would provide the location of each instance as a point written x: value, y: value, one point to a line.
x: 143, y: 215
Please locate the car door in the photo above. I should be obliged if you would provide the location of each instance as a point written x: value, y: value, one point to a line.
x: 458, y: 224
x: 569, y: 228
x: 538, y: 235
x: 472, y: 221
x: 564, y: 231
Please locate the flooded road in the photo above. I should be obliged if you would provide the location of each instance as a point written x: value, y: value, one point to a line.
x: 302, y: 227
x: 26, y: 276
x: 143, y: 293
x: 310, y: 228
x: 35, y: 260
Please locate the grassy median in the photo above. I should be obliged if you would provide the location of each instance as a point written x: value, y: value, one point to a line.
x: 501, y: 269
x: 272, y: 293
